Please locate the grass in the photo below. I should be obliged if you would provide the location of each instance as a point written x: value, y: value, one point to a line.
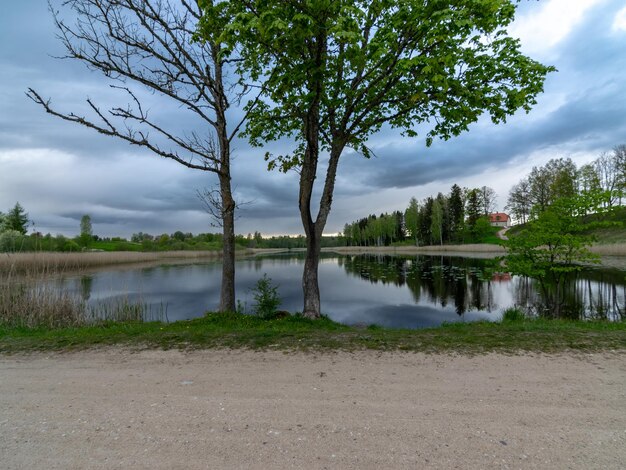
x: 297, y: 333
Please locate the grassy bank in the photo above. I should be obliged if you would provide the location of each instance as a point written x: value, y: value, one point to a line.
x: 296, y: 333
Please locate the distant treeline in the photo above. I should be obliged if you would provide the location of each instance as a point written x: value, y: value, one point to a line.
x: 458, y: 217
x: 560, y: 178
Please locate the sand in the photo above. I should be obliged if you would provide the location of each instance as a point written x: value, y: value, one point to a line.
x: 118, y: 409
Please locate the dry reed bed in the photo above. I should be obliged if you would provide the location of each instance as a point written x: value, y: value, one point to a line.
x: 613, y: 249
x: 48, y: 263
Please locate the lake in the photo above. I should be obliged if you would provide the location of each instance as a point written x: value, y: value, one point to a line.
x: 393, y: 291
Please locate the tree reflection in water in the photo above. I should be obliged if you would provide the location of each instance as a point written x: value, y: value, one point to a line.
x: 468, y: 284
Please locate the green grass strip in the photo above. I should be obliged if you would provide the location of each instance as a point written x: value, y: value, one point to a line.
x: 296, y: 333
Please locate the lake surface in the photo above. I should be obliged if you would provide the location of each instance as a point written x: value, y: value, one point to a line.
x: 393, y: 291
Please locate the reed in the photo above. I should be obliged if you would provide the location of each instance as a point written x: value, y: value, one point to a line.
x: 610, y: 249
x: 47, y: 263
x: 26, y: 305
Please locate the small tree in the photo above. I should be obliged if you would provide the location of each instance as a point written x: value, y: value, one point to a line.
x: 86, y: 230
x: 16, y: 219
x: 266, y: 298
x: 456, y: 209
x: 411, y: 219
x: 554, y: 245
x: 436, y: 223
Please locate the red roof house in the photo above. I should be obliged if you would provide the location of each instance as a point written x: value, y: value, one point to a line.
x: 500, y: 219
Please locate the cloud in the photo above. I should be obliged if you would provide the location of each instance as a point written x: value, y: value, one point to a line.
x: 60, y: 171
x: 619, y: 24
x: 543, y: 26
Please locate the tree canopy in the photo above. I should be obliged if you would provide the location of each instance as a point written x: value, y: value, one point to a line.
x: 333, y: 72
x: 15, y: 220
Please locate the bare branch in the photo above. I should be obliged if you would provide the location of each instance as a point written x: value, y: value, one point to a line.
x: 149, y: 43
x: 211, y: 200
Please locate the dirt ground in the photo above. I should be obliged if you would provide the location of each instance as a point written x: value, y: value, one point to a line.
x: 116, y: 409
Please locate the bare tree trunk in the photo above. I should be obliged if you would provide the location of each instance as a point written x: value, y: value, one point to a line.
x: 227, y: 293
x: 310, y: 285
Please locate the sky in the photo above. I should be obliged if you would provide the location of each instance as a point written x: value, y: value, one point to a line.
x: 59, y: 171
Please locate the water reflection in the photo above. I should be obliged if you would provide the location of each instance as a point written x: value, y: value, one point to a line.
x: 394, y: 291
x: 465, y: 283
x: 473, y: 284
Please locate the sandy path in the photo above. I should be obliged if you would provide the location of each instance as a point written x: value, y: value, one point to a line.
x: 217, y: 409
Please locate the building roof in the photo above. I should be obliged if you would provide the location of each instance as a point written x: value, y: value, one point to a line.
x: 498, y: 217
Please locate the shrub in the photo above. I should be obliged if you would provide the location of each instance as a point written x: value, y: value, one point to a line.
x: 513, y: 314
x: 11, y: 241
x: 266, y: 298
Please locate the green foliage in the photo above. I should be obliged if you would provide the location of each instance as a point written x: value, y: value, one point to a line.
x: 16, y: 219
x: 553, y: 245
x: 436, y: 223
x: 363, y: 64
x: 513, y: 314
x: 11, y: 241
x: 266, y: 298
x: 411, y: 219
x: 86, y: 231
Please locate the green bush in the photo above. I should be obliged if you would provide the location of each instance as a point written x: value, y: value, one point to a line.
x: 266, y: 298
x: 11, y: 241
x: 513, y: 314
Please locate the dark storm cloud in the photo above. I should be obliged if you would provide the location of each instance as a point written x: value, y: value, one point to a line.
x: 590, y: 64
x: 60, y: 171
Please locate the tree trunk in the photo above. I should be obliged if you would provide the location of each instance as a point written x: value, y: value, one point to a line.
x: 310, y: 285
x: 227, y: 293
x: 314, y: 230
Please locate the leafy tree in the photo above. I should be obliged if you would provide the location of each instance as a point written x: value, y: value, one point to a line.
x: 456, y: 209
x: 473, y: 207
x: 86, y: 230
x: 411, y: 215
x: 554, y: 245
x: 436, y: 222
x: 332, y: 73
x: 11, y: 240
x: 149, y: 44
x: 555, y: 180
x: 16, y: 219
x: 563, y: 173
x: 425, y: 221
x: 540, y: 181
x: 588, y: 179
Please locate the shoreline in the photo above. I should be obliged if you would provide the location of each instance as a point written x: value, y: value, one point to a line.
x: 613, y: 255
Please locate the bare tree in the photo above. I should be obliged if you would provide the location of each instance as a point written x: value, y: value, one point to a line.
x: 619, y: 153
x: 488, y: 199
x: 607, y: 169
x: 519, y: 201
x: 150, y: 44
